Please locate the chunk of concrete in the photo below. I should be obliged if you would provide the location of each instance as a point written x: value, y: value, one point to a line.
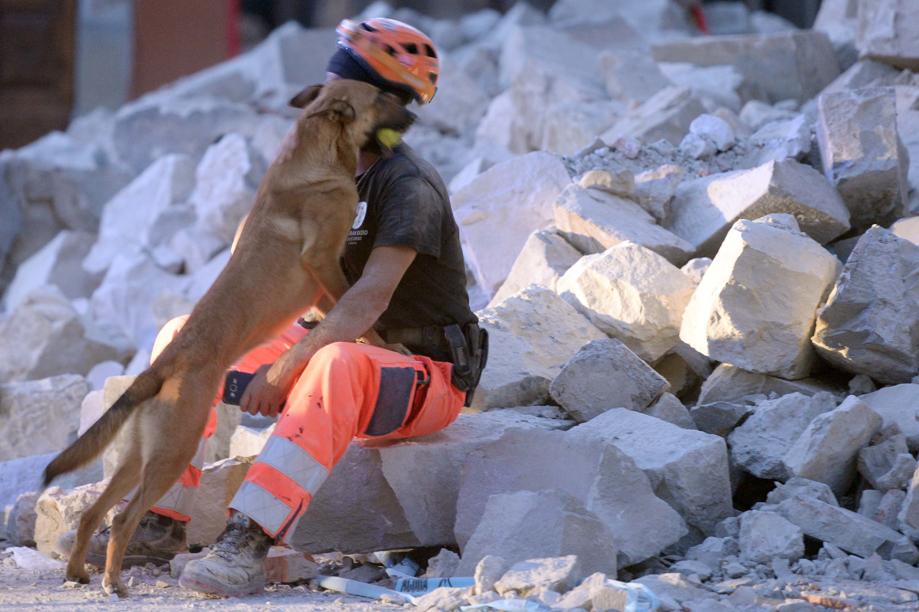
x: 557, y: 573
x: 58, y: 511
x: 544, y: 258
x: 219, y: 482
x: 862, y: 153
x: 898, y: 405
x: 443, y: 564
x: 594, y: 220
x: 801, y: 487
x: 848, y: 530
x: 533, y: 334
x: 775, y: 67
x: 729, y: 383
x: 40, y: 416
x: 602, y: 477
x: 765, y: 536
x: 704, y: 209
x: 909, y: 513
x: 605, y: 374
x: 58, y: 263
x: 664, y: 116
x: 861, y: 327
x: 687, y: 469
x: 22, y: 475
x: 888, y: 464
x: 828, y: 449
x: 565, y: 528
x: 761, y: 442
x: 907, y: 228
x: 632, y: 294
x: 488, y: 571
x: 20, y: 523
x: 888, y: 31
x: 496, y: 198
x: 755, y: 306
x: 669, y: 408
x: 631, y: 76
x: 720, y: 418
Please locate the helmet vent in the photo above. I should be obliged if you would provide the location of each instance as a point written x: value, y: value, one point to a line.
x: 411, y: 48
x: 368, y: 27
x: 433, y: 77
x: 429, y: 51
x: 390, y: 50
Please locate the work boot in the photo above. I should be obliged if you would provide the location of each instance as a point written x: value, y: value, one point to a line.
x: 157, y: 539
x: 235, y: 564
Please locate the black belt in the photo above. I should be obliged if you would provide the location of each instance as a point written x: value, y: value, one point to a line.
x: 431, y: 336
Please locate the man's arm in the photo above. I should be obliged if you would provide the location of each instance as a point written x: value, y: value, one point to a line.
x: 356, y: 312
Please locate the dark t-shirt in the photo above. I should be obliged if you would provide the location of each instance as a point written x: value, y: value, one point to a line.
x: 403, y: 202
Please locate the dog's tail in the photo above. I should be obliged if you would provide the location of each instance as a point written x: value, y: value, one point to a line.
x: 97, y: 437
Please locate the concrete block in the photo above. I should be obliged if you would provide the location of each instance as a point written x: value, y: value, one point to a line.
x: 898, y: 405
x: 605, y: 374
x: 219, y: 482
x: 765, y: 536
x: 888, y: 464
x: 860, y: 328
x: 58, y: 263
x: 594, y: 220
x: 802, y: 487
x: 544, y: 258
x: 565, y: 528
x: 729, y: 383
x: 670, y: 409
x: 687, y: 469
x: 632, y: 294
x: 704, y: 209
x: 558, y: 573
x: 862, y: 153
x: 664, y: 116
x: 755, y: 306
x: 761, y: 442
x: 888, y: 31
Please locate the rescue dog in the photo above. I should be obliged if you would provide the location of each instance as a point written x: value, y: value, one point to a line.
x: 286, y: 261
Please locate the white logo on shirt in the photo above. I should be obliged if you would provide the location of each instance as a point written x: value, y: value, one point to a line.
x: 361, y: 214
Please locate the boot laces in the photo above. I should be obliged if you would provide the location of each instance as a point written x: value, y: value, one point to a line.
x: 231, y: 543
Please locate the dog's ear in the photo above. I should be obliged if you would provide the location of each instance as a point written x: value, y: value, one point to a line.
x: 306, y: 96
x: 341, y: 111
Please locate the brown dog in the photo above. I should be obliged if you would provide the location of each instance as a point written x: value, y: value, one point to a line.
x: 286, y: 261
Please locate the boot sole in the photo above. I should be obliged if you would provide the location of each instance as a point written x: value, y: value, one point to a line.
x: 204, y: 585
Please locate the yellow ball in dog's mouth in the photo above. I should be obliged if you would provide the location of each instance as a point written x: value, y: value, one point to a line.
x: 389, y: 137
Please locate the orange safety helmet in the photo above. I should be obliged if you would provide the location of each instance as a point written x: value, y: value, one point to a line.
x: 400, y: 54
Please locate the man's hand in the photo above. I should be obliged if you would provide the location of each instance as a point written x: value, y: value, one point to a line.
x: 268, y: 391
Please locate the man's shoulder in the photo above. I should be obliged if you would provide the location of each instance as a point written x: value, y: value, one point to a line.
x: 405, y: 164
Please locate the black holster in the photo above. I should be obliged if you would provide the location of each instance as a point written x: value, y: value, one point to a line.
x: 469, y: 349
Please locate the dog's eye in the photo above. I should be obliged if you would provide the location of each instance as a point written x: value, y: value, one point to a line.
x: 411, y: 48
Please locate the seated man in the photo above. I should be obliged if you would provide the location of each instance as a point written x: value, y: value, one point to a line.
x: 405, y: 264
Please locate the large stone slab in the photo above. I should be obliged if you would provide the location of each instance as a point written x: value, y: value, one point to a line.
x: 862, y: 153
x: 755, y: 306
x: 729, y: 383
x: 664, y: 116
x: 827, y: 450
x: 704, y: 209
x: 867, y: 324
x: 688, y: 469
x: 498, y: 198
x: 544, y: 258
x: 605, y: 374
x: 775, y: 67
x: 40, y: 416
x: 848, y: 530
x: 888, y: 31
x: 760, y: 443
x: 533, y: 334
x: 594, y: 220
x: 58, y: 263
x: 898, y: 405
x: 565, y: 528
x: 604, y: 479
x: 45, y: 336
x: 632, y: 294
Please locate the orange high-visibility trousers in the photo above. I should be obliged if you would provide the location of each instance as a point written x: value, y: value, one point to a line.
x: 347, y: 391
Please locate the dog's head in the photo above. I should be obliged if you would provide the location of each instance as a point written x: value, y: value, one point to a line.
x: 360, y: 108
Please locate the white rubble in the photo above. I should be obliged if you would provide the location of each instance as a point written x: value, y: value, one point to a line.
x: 219, y: 482
x: 860, y: 329
x: 695, y: 268
x: 533, y: 334
x: 704, y: 209
x: 907, y: 228
x: 555, y: 573
x: 593, y: 220
x: 544, y: 258
x: 765, y: 536
x: 801, y: 487
x: 908, y: 517
x: 898, y: 406
x: 23, y: 475
x: 567, y: 528
x: 688, y: 469
x: 862, y: 153
x: 887, y: 465
x: 713, y: 86
x: 58, y: 511
x: 755, y: 306
x: 20, y: 522
x: 632, y: 294
x: 518, y: 196
x: 730, y: 383
x: 57, y: 263
x: 631, y: 75
x: 487, y: 572
x: 828, y: 449
x: 760, y: 443
x: 888, y: 31
x: 40, y: 416
x: 669, y: 408
x: 605, y: 374
x: 664, y: 116
x: 45, y: 336
x: 604, y: 479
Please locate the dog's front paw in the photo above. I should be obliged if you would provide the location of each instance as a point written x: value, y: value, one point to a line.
x: 77, y: 574
x: 114, y: 587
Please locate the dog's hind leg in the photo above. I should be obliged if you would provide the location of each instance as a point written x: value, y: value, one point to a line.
x: 124, y: 479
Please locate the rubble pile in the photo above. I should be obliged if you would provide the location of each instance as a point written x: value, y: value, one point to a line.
x: 695, y: 255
